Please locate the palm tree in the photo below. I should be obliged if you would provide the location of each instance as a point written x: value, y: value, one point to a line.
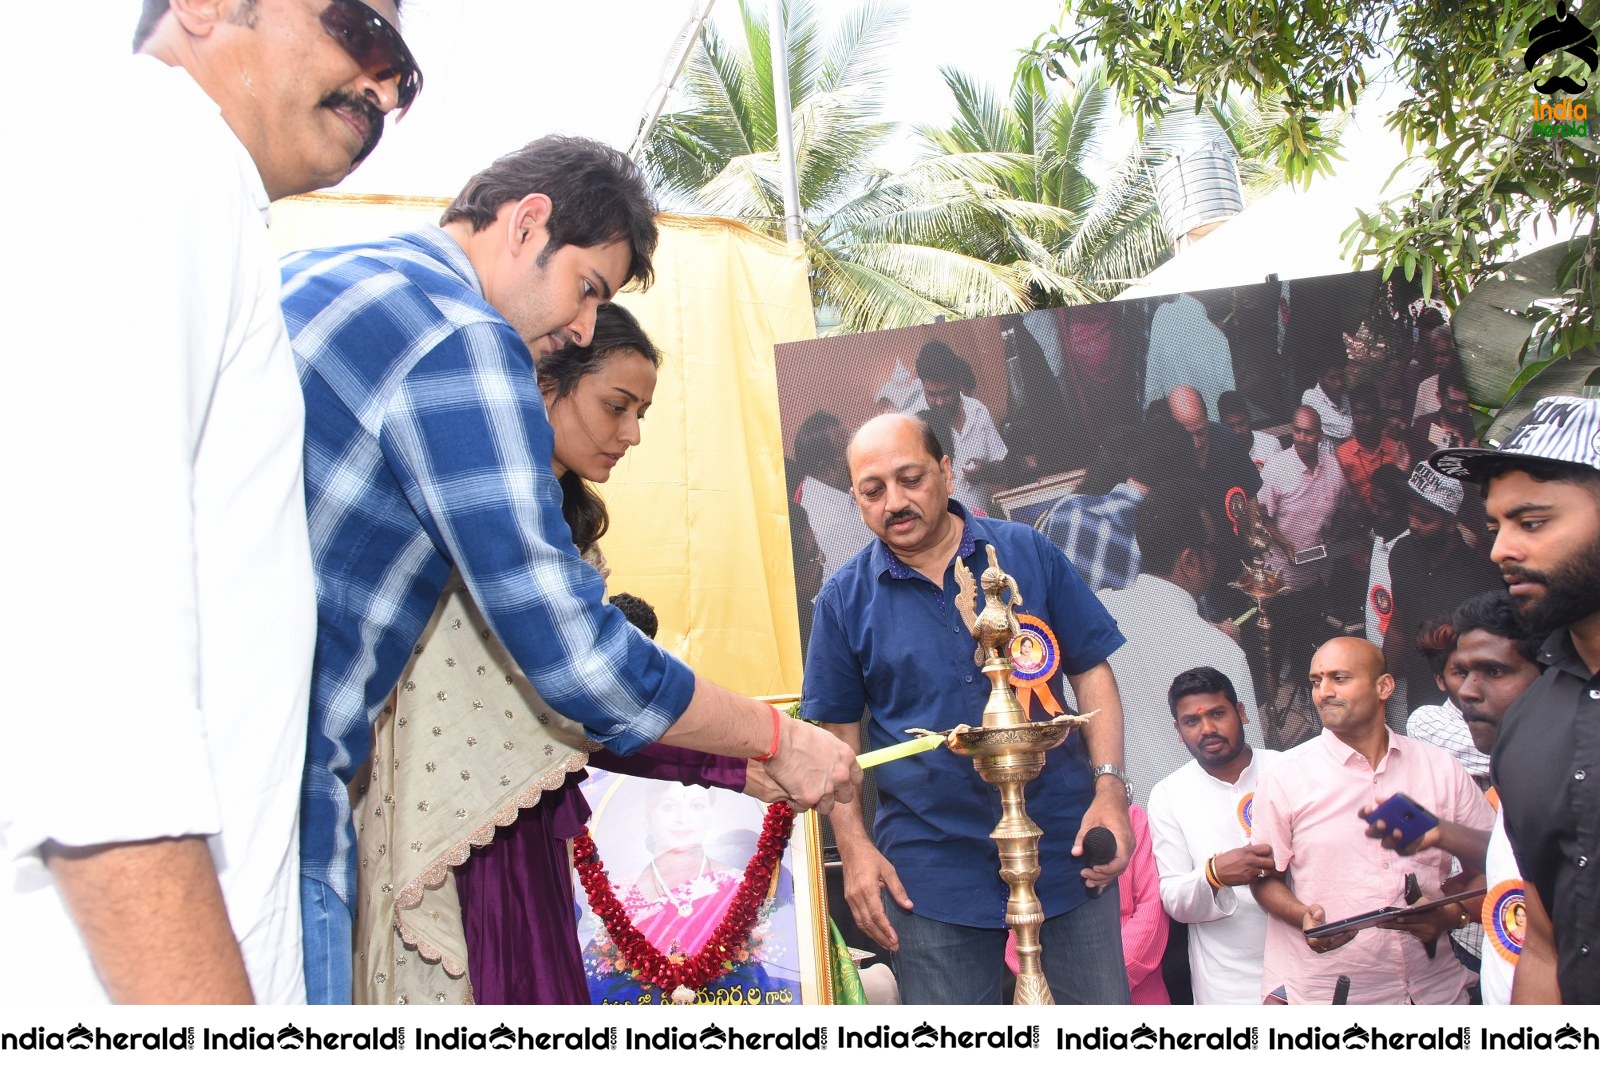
x: 1004, y: 213
x: 1056, y: 141
x: 878, y: 242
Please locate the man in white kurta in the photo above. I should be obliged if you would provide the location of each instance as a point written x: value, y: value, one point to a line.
x: 1200, y: 819
x: 149, y: 812
x: 962, y: 423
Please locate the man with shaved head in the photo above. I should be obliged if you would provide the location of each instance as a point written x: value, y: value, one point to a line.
x: 1302, y: 500
x: 1326, y: 868
x: 887, y: 636
x: 1227, y: 481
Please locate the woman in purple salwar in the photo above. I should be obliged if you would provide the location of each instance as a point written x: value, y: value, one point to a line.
x: 465, y: 882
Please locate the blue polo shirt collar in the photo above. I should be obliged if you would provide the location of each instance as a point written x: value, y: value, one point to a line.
x: 886, y: 560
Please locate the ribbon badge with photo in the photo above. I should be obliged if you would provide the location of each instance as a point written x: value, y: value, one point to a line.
x: 1383, y: 605
x: 1035, y: 658
x: 1236, y: 504
x: 1505, y: 918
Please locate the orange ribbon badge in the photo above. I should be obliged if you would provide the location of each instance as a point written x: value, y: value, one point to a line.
x: 1035, y: 657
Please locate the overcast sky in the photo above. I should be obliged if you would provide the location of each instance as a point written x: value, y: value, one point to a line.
x: 501, y: 72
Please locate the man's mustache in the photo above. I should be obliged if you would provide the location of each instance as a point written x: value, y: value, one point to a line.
x: 904, y: 513
x: 343, y: 100
x: 1516, y: 575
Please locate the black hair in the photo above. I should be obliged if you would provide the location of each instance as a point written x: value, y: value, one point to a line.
x: 1366, y: 395
x: 1200, y: 680
x: 1436, y: 640
x: 597, y: 195
x: 1164, y: 453
x: 938, y: 362
x: 615, y: 328
x: 813, y: 442
x: 149, y: 15
x: 930, y: 438
x: 1450, y: 378
x: 637, y: 611
x: 1493, y: 611
x: 1232, y: 403
x: 1160, y: 451
x: 1391, y: 480
x: 1537, y: 468
x: 1113, y: 461
x: 1170, y: 520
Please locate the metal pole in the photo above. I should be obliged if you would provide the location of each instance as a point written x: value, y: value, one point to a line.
x: 676, y: 58
x: 784, y: 120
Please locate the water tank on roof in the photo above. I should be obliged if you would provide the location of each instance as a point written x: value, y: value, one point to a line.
x: 1198, y: 189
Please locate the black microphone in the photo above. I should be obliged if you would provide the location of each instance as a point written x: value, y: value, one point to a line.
x: 1099, y: 847
x: 1341, y: 990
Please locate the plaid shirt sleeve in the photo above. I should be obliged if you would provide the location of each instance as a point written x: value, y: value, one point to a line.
x: 1100, y: 544
x: 466, y: 433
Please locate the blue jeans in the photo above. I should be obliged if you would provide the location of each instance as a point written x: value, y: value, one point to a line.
x: 942, y: 963
x: 325, y: 926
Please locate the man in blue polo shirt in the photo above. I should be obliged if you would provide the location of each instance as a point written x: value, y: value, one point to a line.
x: 887, y: 636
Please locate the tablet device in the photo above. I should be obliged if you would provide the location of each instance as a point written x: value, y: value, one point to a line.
x: 1361, y: 921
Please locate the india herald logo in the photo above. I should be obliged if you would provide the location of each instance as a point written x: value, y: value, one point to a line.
x: 1554, y: 34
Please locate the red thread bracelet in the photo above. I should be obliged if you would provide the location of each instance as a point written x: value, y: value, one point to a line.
x: 773, y: 750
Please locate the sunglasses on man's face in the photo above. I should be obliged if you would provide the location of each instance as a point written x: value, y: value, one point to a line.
x: 375, y: 45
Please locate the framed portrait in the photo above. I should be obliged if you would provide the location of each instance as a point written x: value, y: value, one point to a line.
x: 676, y: 857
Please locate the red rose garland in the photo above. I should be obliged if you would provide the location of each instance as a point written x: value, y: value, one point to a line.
x: 683, y: 977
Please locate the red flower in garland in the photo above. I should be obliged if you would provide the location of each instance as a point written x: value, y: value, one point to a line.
x: 715, y: 957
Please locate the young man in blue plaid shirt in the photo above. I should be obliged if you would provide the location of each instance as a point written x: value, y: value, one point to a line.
x: 427, y: 449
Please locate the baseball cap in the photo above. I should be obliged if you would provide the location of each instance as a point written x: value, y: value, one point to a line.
x: 1441, y: 492
x: 1564, y: 429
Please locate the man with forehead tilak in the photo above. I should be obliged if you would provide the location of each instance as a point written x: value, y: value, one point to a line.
x: 1542, y: 495
x: 1308, y: 810
x: 887, y: 636
x: 1200, y: 818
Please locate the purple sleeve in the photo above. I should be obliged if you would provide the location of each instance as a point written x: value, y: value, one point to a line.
x: 673, y: 763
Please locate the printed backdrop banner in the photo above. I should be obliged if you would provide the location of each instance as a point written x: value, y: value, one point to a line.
x: 1065, y: 418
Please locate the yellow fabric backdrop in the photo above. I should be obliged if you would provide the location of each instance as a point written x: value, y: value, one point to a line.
x: 700, y: 523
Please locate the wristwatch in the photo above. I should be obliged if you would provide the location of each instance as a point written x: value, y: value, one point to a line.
x: 1112, y: 769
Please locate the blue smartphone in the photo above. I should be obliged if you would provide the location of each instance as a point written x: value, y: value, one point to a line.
x: 1403, y: 815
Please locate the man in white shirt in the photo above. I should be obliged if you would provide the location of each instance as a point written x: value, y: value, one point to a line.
x: 150, y: 802
x: 824, y: 492
x: 1331, y: 400
x: 1438, y: 354
x: 1235, y: 415
x: 1200, y: 829
x: 1442, y: 724
x: 963, y: 424
x: 1160, y: 617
